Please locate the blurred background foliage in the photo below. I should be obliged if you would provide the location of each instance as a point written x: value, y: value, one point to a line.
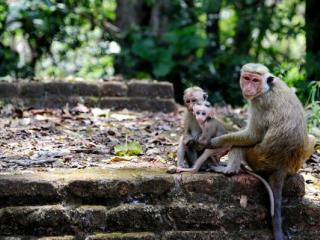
x: 186, y: 42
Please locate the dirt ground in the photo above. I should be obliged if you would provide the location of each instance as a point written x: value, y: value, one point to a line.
x: 82, y: 137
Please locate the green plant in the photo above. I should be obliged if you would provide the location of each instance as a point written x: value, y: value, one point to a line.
x: 131, y: 148
x: 313, y: 106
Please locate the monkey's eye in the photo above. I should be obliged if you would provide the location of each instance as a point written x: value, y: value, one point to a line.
x: 255, y: 80
x: 246, y: 78
x: 194, y: 100
x: 203, y: 113
x: 198, y: 113
x: 188, y: 101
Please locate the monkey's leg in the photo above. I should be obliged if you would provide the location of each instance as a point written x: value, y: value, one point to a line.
x: 203, y: 157
x: 198, y: 162
x: 276, y: 183
x: 236, y: 156
x: 181, y: 154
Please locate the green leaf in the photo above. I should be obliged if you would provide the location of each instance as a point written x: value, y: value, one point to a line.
x: 133, y: 148
x: 144, y: 49
x: 162, y: 63
x: 121, y: 149
x: 161, y: 69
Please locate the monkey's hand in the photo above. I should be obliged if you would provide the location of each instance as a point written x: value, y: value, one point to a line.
x: 214, y: 143
x: 203, y: 141
x: 188, y: 141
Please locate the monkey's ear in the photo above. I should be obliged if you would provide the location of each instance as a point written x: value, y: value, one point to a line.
x: 270, y: 79
x: 212, y: 112
x: 205, y: 96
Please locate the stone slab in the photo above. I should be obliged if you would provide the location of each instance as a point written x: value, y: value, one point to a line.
x: 114, y: 89
x: 139, y: 104
x: 8, y: 90
x: 139, y: 88
x: 67, y: 89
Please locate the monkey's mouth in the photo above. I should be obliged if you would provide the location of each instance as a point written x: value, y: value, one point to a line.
x: 248, y: 95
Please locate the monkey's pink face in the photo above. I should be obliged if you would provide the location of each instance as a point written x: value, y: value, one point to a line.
x: 202, y: 113
x: 251, y: 84
x: 195, y: 97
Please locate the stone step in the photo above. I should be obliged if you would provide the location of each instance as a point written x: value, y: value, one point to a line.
x: 59, y: 219
x: 177, y: 235
x: 133, y: 95
x: 69, y: 201
x: 111, y: 187
x: 132, y: 88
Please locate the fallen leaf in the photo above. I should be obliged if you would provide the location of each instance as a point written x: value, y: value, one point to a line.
x: 80, y: 108
x: 121, y: 117
x: 98, y: 112
x: 243, y: 201
x: 118, y: 158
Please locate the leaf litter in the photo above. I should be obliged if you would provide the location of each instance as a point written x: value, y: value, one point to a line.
x: 83, y: 137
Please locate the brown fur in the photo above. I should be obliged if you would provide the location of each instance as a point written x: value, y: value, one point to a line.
x: 276, y: 130
x: 210, y: 128
x: 275, y: 141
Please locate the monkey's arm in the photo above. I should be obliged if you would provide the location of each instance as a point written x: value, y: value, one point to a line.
x: 181, y: 154
x: 246, y: 137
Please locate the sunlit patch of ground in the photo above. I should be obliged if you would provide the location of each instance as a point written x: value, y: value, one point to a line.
x: 41, y: 139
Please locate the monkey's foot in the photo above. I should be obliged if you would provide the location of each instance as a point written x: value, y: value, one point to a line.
x: 180, y: 169
x: 172, y: 169
x: 294, y: 187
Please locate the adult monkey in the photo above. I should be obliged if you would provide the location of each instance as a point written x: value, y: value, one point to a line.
x: 275, y: 141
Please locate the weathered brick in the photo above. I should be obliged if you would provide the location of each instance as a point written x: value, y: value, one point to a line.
x: 149, y: 89
x: 114, y: 89
x: 212, y: 216
x: 89, y: 217
x: 139, y: 104
x: 219, y: 235
x: 31, y: 89
x: 58, y: 101
x: 138, y: 217
x: 124, y: 236
x: 35, y: 220
x: 21, y: 192
x: 8, y: 90
x: 67, y: 89
x: 99, y: 191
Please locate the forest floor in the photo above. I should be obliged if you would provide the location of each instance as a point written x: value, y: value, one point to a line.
x: 37, y: 140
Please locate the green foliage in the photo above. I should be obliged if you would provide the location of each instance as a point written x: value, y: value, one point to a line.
x: 56, y: 35
x: 198, y: 42
x: 313, y: 106
x: 131, y: 148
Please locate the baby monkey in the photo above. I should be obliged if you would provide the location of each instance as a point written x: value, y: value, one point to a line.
x: 187, y: 152
x: 210, y: 128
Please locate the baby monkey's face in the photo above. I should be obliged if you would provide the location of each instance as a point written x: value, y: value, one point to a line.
x: 203, y: 112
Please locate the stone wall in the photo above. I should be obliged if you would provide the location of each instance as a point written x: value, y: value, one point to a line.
x: 138, y: 204
x: 133, y: 95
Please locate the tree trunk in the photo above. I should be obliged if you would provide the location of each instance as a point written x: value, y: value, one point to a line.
x: 212, y: 28
x: 313, y: 40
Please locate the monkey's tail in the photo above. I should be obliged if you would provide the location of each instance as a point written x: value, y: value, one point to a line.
x: 266, y: 185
